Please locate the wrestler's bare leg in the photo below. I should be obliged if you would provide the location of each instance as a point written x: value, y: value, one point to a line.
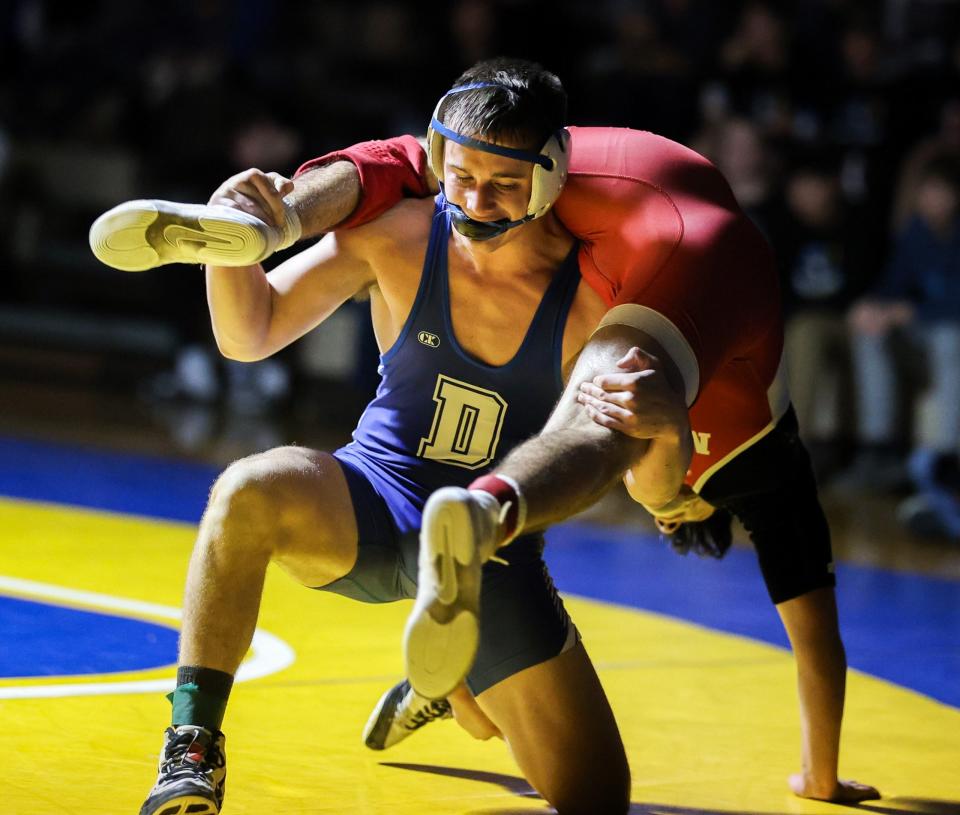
x: 557, y: 721
x: 574, y: 460
x: 290, y: 505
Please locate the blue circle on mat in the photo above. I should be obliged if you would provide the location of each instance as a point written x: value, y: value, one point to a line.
x: 40, y: 639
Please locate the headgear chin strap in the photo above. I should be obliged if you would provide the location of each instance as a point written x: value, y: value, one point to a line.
x: 549, y: 168
x: 479, y: 230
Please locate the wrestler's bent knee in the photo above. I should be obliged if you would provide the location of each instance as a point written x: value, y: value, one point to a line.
x: 249, y: 496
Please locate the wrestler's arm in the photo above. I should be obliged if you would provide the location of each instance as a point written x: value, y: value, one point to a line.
x: 645, y: 399
x: 325, y: 196
x: 255, y: 313
x: 341, y: 190
x: 351, y: 187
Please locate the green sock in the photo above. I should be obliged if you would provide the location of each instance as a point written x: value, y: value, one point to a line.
x: 200, y: 697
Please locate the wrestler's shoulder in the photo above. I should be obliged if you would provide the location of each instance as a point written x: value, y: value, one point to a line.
x: 406, y: 223
x: 411, y: 212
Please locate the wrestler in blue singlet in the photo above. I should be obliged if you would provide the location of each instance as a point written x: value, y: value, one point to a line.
x: 441, y: 418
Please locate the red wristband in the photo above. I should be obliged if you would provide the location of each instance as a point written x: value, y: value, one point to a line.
x: 506, y: 491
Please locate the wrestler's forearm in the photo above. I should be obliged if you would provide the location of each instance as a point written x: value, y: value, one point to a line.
x: 324, y: 197
x: 821, y: 682
x: 567, y: 468
x: 356, y: 185
x: 811, y: 624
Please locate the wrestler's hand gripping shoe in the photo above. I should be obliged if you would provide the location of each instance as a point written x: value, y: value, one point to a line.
x: 459, y: 534
x: 192, y: 775
x: 401, y: 712
x: 140, y: 235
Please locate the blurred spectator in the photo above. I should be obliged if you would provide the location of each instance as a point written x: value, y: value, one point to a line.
x: 945, y: 143
x: 740, y: 151
x: 827, y: 256
x: 914, y: 311
x: 641, y: 76
x: 473, y: 25
x: 755, y: 61
x: 859, y: 117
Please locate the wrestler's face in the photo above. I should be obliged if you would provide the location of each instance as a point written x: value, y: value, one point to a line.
x: 487, y: 187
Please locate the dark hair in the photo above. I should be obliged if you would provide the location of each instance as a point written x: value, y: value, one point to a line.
x: 709, y: 538
x: 529, y: 106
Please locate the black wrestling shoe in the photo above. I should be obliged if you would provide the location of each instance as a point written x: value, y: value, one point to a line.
x: 400, y: 712
x: 192, y: 776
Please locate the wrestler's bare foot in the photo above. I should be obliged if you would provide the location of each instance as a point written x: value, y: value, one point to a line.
x: 843, y: 792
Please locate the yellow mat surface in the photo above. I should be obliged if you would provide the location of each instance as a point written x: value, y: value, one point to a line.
x: 709, y: 719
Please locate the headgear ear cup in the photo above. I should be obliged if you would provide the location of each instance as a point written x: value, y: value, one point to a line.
x: 435, y: 144
x: 547, y: 185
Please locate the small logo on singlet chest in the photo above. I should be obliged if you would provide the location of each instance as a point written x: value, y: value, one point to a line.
x: 427, y: 338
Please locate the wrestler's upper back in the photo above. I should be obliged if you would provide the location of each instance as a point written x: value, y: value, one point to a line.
x: 662, y: 165
x: 639, y: 201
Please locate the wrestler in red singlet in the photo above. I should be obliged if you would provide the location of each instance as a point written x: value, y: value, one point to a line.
x: 668, y: 248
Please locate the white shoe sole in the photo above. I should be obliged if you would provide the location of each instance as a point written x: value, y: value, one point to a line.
x: 141, y: 235
x: 443, y: 631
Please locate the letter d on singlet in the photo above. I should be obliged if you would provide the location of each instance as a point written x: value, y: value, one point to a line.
x: 466, y: 425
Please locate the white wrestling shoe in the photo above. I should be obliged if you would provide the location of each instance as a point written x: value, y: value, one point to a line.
x: 140, y: 235
x: 401, y: 712
x: 458, y: 535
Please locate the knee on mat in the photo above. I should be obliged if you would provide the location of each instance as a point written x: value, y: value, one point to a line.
x: 596, y: 802
x: 604, y: 793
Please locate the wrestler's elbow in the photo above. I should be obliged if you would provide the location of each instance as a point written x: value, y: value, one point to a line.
x: 652, y: 492
x: 657, y: 477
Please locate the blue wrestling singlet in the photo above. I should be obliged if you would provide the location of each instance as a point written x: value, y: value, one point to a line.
x: 442, y: 418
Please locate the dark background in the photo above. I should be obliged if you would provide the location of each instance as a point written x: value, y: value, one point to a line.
x: 107, y: 101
